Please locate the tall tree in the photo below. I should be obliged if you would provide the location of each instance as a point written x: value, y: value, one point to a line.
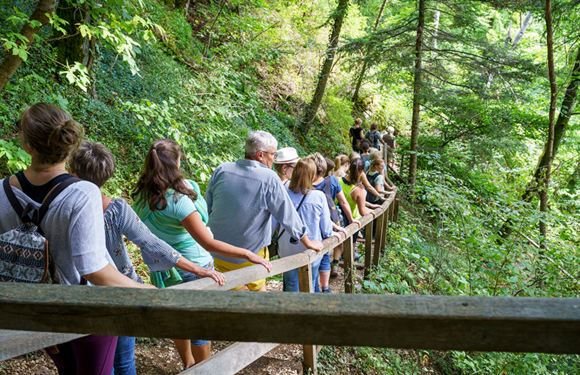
x: 366, y: 61
x: 75, y: 47
x: 416, y: 93
x: 566, y: 110
x: 311, y: 110
x: 36, y: 21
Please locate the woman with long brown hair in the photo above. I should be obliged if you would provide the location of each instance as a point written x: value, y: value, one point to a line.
x: 174, y: 209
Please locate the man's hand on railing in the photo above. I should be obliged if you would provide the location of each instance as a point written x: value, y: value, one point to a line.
x: 357, y: 223
x: 312, y: 244
x: 218, y: 277
x: 259, y: 260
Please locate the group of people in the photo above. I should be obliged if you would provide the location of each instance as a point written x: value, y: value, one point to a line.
x: 373, y: 139
x: 183, y: 234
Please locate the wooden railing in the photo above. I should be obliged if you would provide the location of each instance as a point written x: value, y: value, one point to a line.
x: 229, y: 360
x: 259, y: 321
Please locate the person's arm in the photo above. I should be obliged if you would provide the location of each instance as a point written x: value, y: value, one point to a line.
x: 196, y: 228
x: 359, y: 197
x: 110, y: 276
x: 281, y: 207
x: 366, y: 183
x: 325, y: 223
x: 346, y: 208
x: 380, y: 189
x: 189, y: 266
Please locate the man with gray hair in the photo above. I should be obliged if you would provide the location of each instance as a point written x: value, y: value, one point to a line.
x: 242, y: 197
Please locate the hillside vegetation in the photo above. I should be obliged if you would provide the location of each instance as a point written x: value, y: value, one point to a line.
x: 205, y: 73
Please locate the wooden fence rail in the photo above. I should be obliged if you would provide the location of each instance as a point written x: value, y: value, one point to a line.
x: 13, y: 343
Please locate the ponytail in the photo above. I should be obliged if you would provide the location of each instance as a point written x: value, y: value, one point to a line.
x: 161, y: 173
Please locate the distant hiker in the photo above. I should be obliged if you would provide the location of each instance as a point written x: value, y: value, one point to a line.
x: 73, y: 225
x: 332, y: 190
x: 312, y: 209
x: 363, y: 179
x: 242, y: 196
x: 95, y: 163
x: 285, y: 163
x: 340, y: 166
x: 365, y: 156
x: 355, y: 196
x: 173, y: 208
x: 374, y: 137
x: 391, y: 144
x: 356, y: 135
x: 377, y: 180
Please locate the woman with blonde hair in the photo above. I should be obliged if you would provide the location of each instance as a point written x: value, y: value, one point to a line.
x: 313, y: 210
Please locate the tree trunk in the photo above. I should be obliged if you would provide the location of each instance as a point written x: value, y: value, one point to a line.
x: 74, y: 48
x: 545, y: 181
x: 12, y: 62
x: 312, y: 109
x: 505, y: 44
x: 436, y: 27
x: 566, y: 110
x: 416, y: 94
x: 365, y: 63
x: 523, y: 28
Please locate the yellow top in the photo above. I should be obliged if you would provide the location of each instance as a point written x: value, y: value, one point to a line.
x: 347, y: 190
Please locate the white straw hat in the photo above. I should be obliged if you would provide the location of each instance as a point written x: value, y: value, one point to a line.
x: 286, y: 155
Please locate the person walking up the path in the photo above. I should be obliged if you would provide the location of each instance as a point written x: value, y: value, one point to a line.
x: 356, y: 135
x: 374, y: 137
x: 243, y: 196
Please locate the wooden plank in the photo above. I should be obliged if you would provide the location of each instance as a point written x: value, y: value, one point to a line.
x: 232, y: 359
x: 368, y: 248
x: 349, y: 272
x: 545, y: 325
x: 305, y: 284
x: 396, y: 214
x: 15, y: 343
x: 379, y: 238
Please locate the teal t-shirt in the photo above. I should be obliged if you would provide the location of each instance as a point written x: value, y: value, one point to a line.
x: 166, y: 224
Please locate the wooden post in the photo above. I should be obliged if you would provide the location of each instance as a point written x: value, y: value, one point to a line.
x: 396, y: 213
x: 387, y: 222
x: 348, y: 255
x: 305, y: 286
x: 379, y: 239
x: 368, y: 248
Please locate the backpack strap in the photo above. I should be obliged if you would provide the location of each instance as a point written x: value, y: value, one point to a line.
x: 12, y: 198
x: 52, y: 195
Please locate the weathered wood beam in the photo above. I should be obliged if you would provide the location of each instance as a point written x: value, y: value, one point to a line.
x: 546, y: 325
x: 15, y: 343
x: 232, y: 359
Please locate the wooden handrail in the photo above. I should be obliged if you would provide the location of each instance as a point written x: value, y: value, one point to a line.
x: 547, y: 325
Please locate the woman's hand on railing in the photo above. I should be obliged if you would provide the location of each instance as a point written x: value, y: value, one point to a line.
x: 218, y: 277
x: 251, y: 257
x: 357, y: 223
x: 338, y: 230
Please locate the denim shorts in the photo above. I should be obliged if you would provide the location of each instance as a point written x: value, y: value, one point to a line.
x: 187, y: 276
x: 325, y: 263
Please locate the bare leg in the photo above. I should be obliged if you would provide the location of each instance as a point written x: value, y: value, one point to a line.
x: 324, y: 278
x: 337, y: 252
x: 262, y: 289
x: 201, y: 353
x: 184, y: 350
